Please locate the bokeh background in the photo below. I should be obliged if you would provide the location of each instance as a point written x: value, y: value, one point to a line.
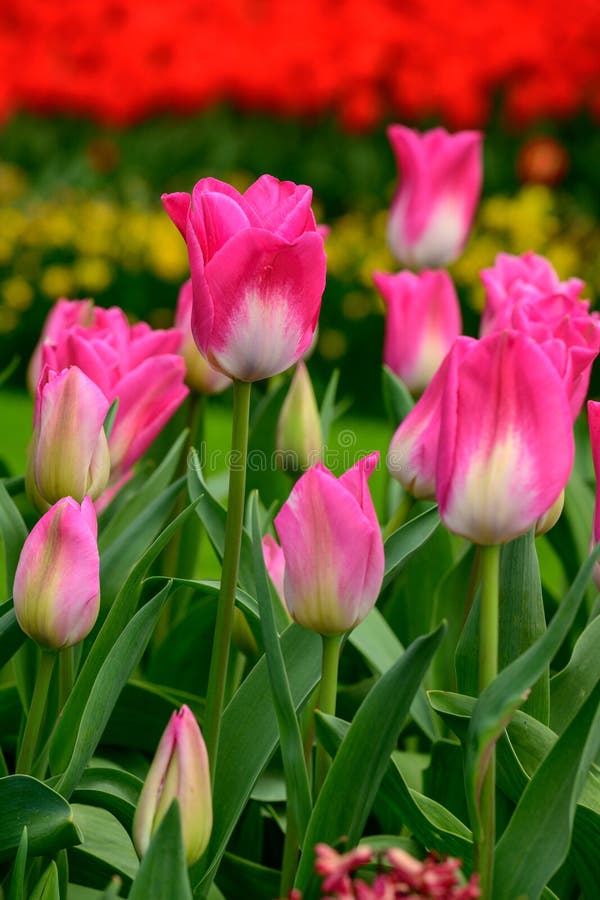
x: 105, y: 104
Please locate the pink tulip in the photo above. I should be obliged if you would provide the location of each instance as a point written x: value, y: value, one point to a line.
x: 440, y: 183
x: 412, y: 456
x: 258, y: 273
x: 423, y: 321
x: 523, y: 278
x: 63, y: 315
x: 505, y: 446
x: 179, y: 771
x: 57, y: 582
x: 200, y: 375
x: 275, y: 564
x: 332, y: 547
x: 593, y: 411
x: 137, y: 365
x: 69, y: 454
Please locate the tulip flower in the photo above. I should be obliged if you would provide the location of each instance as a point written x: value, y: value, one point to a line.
x: 440, y: 183
x: 299, y: 439
x: 69, y: 455
x: 505, y: 444
x: 200, y: 375
x: 524, y: 278
x: 412, y: 456
x: 258, y: 273
x: 137, y: 365
x: 65, y: 314
x: 332, y: 547
x: 57, y: 581
x: 179, y: 771
x: 423, y: 321
x: 275, y: 564
x: 593, y: 411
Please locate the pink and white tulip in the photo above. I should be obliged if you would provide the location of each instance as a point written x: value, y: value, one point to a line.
x: 521, y: 279
x: 423, y: 321
x: 258, y: 273
x: 505, y: 445
x: 57, y: 581
x: 69, y: 455
x: 332, y: 547
x: 440, y: 184
x: 179, y: 771
x: 200, y: 375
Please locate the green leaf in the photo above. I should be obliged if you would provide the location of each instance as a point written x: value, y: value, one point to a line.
x: 12, y: 533
x: 450, y: 603
x: 109, y: 419
x: 243, y: 878
x: 406, y: 540
x: 47, y: 887
x: 114, y: 672
x: 163, y: 872
x: 26, y: 802
x: 113, y: 789
x: 380, y: 648
x: 329, y: 412
x: 153, y: 486
x: 396, y: 397
x: 249, y: 736
x: 364, y: 755
x: 106, y: 849
x: 17, y: 878
x: 536, y: 840
x: 292, y: 751
x: 140, y: 716
x: 571, y: 687
x: 118, y: 616
x: 11, y: 636
x: 502, y: 697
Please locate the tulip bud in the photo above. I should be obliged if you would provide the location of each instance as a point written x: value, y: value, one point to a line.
x: 299, y: 435
x: 57, y: 582
x: 200, y: 375
x: 179, y: 771
x: 69, y: 455
x: 332, y: 547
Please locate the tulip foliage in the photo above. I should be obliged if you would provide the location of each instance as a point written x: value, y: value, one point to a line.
x: 377, y: 696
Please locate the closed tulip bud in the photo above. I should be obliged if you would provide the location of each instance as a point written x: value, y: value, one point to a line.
x: 299, y: 438
x: 440, y: 183
x: 505, y: 444
x: 423, y: 321
x: 258, y: 273
x: 179, y: 771
x: 57, y: 582
x: 200, y: 375
x: 332, y: 547
x: 69, y: 455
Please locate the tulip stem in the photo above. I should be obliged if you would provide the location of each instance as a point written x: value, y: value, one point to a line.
x: 65, y: 675
x: 231, y: 559
x: 35, y: 717
x: 488, y: 669
x: 290, y: 856
x: 327, y: 698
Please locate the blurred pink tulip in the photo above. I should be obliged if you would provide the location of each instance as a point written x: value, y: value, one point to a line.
x: 69, y: 455
x: 57, y: 582
x: 200, y: 375
x: 505, y: 446
x: 423, y: 321
x: 332, y: 547
x: 63, y: 315
x: 593, y: 412
x: 440, y: 183
x: 258, y: 273
x: 179, y: 771
x: 135, y: 364
x: 520, y: 279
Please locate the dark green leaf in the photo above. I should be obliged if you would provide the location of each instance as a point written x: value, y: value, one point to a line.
x: 17, y: 877
x: 110, y: 417
x: 163, y: 872
x: 25, y: 802
x: 106, y: 849
x: 406, y: 540
x: 12, y: 537
x: 113, y: 789
x: 571, y: 687
x: 11, y: 636
x: 396, y: 397
x: 47, y: 887
x: 243, y: 878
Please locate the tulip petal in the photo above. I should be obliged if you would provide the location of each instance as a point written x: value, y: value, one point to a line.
x: 282, y: 206
x: 177, y: 207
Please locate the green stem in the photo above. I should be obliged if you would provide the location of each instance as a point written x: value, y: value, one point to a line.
x: 327, y: 698
x: 488, y: 669
x: 231, y: 560
x: 400, y: 516
x: 65, y: 676
x: 290, y: 856
x: 35, y: 716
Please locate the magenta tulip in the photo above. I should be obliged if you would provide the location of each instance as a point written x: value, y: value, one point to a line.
x: 275, y: 564
x: 332, y: 548
x: 505, y: 446
x: 179, y: 772
x: 69, y: 455
x: 423, y: 321
x: 440, y: 183
x: 64, y: 314
x: 593, y: 411
x: 258, y: 273
x: 200, y: 375
x: 523, y: 278
x: 57, y: 582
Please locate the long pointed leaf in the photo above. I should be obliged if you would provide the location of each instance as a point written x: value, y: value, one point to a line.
x: 163, y: 873
x: 406, y: 540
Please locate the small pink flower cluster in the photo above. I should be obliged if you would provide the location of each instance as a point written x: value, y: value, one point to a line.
x: 398, y: 875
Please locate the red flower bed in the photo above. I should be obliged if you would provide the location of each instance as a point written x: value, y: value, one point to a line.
x: 122, y: 60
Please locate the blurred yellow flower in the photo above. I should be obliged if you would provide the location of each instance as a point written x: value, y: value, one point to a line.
x: 17, y: 293
x: 57, y: 281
